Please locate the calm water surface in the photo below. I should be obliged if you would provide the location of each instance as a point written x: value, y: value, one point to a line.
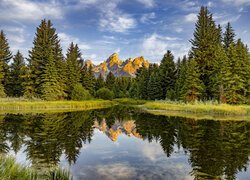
x: 126, y: 143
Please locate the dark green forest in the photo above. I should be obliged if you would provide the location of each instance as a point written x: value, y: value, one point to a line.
x: 217, y: 68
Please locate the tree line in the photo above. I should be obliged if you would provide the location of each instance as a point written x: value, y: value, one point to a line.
x: 216, y: 68
x: 49, y: 75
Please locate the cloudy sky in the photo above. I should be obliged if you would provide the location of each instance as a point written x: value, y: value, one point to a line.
x: 128, y: 27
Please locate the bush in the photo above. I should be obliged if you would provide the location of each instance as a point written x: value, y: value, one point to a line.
x: 80, y: 93
x: 105, y: 93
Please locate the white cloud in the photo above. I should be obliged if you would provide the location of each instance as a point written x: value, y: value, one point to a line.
x: 189, y: 5
x: 114, y: 20
x: 147, y: 3
x: 152, y: 151
x: 116, y: 171
x: 29, y: 10
x: 155, y: 46
x: 224, y: 18
x: 15, y: 34
x: 210, y: 4
x: 67, y: 39
x: 116, y: 23
x: 146, y: 18
x: 17, y: 38
x: 192, y: 17
x: 237, y: 2
x: 179, y: 29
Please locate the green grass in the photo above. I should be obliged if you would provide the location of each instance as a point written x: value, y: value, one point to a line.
x: 10, y: 170
x: 210, y: 108
x: 128, y: 101
x: 6, y: 106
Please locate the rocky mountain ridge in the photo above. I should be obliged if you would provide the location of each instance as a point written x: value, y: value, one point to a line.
x: 127, y: 127
x: 118, y: 67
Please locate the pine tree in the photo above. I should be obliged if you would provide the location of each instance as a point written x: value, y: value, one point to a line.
x: 51, y: 87
x: 167, y: 75
x: 154, y: 89
x: 181, y: 77
x: 46, y: 43
x: 220, y: 35
x: 88, y: 79
x: 110, y: 81
x: 229, y: 36
x: 5, y: 56
x: 100, y: 83
x: 193, y: 86
x: 17, y: 74
x: 28, y: 85
x: 240, y: 72
x: 236, y: 83
x: 206, y: 38
x: 220, y: 78
x: 142, y: 83
x: 121, y: 87
x: 73, y: 59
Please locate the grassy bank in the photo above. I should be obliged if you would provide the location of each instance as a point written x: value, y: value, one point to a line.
x: 9, y: 170
x: 200, y: 108
x: 53, y: 105
x: 128, y: 101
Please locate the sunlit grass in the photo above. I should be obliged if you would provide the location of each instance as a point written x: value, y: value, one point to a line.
x: 128, y: 101
x: 53, y: 105
x: 200, y: 108
x: 10, y: 170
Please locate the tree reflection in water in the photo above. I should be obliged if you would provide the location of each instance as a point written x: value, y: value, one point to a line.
x: 216, y: 149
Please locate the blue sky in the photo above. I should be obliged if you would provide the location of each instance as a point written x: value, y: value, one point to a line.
x: 129, y: 27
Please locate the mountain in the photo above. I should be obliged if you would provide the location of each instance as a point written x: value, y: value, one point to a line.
x: 118, y: 128
x: 118, y: 67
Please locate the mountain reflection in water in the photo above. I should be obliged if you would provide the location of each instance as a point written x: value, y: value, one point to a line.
x: 127, y: 143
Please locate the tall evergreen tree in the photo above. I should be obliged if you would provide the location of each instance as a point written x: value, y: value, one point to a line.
x: 46, y: 44
x: 5, y: 56
x: 181, y: 77
x: 73, y: 59
x: 167, y: 73
x: 206, y: 38
x: 110, y: 81
x: 155, y: 91
x: 229, y: 36
x: 193, y: 86
x: 220, y: 78
x: 28, y: 85
x: 220, y: 34
x: 88, y: 79
x: 100, y: 83
x: 240, y: 72
x: 236, y: 84
x: 142, y: 83
x: 17, y: 75
x: 51, y: 87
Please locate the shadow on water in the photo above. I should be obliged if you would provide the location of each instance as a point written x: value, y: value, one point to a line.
x: 214, y: 149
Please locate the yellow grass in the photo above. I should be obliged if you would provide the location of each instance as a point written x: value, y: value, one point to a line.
x: 9, y: 106
x: 200, y: 108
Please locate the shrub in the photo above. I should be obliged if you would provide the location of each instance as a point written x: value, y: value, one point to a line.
x: 80, y: 93
x: 105, y: 93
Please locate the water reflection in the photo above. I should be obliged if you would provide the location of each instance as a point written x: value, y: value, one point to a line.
x: 125, y: 142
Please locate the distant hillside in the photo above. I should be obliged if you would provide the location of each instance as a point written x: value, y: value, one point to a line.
x: 118, y: 67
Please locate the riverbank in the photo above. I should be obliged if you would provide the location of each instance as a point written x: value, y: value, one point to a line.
x: 10, y: 169
x: 30, y: 106
x: 199, y: 108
